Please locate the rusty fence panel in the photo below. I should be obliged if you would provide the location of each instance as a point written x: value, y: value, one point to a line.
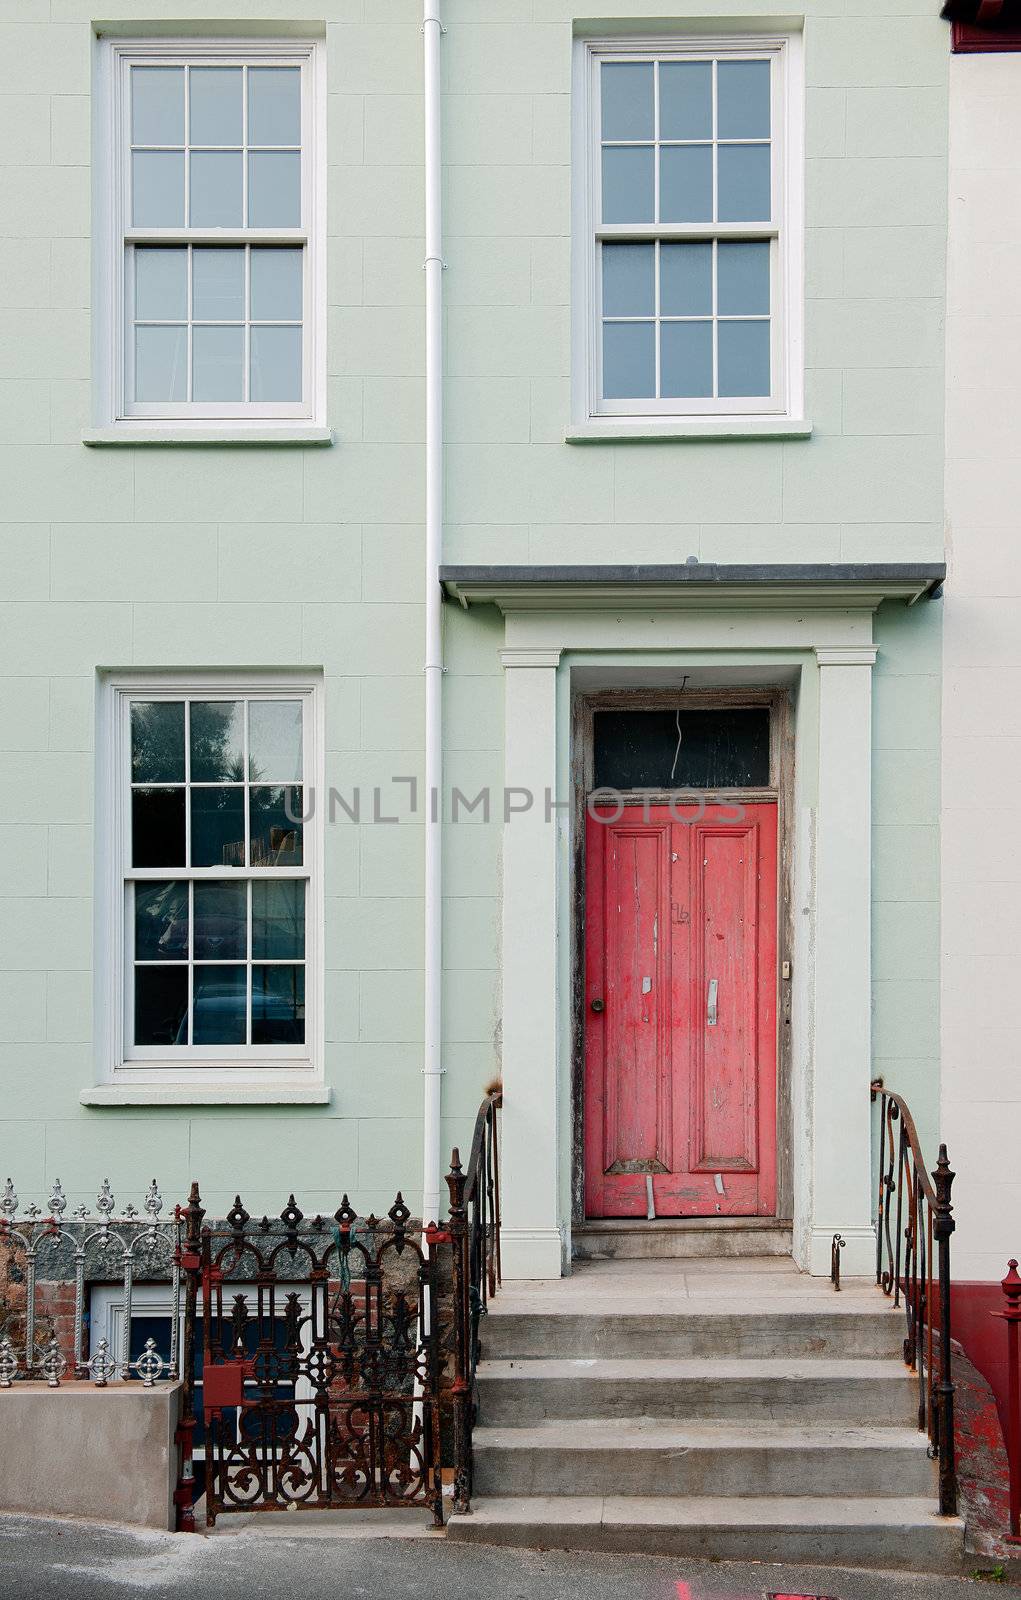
x: 314, y: 1353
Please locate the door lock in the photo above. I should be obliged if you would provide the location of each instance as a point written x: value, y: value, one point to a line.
x: 598, y: 1005
x: 710, y: 1010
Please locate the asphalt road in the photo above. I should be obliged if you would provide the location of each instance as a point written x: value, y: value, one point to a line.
x: 49, y: 1560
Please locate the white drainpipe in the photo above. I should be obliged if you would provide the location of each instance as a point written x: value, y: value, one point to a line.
x: 432, y: 1068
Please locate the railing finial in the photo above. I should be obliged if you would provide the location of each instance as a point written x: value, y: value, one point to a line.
x: 455, y: 1182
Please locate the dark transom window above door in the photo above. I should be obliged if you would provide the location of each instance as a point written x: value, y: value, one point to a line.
x: 679, y: 747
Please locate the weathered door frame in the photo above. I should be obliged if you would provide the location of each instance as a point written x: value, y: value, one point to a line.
x: 781, y: 789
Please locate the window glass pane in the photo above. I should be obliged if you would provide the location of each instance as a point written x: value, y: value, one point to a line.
x: 725, y: 749
x: 626, y: 91
x: 686, y: 183
x: 157, y: 105
x: 274, y: 105
x: 218, y: 1013
x: 274, y: 740
x: 157, y: 741
x: 276, y: 364
x: 157, y: 188
x: 217, y: 363
x: 686, y: 280
x: 278, y: 1005
x: 686, y: 100
x: 161, y: 1005
x: 628, y: 185
x: 743, y: 100
x: 629, y: 280
x: 276, y: 832
x: 161, y: 364
x: 276, y: 285
x: 221, y: 921
x: 161, y: 285
x: 278, y: 920
x: 216, y: 189
x: 217, y: 741
x: 161, y: 921
x: 157, y: 827
x: 215, y: 106
x: 743, y: 278
x: 744, y: 358
x: 629, y: 360
x: 686, y: 360
x: 743, y: 180
x: 217, y: 827
x: 274, y: 190
x: 218, y: 285
x: 153, y: 1326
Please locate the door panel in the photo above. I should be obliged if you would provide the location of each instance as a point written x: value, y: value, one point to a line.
x: 680, y: 1046
x: 637, y: 1017
x: 723, y: 1057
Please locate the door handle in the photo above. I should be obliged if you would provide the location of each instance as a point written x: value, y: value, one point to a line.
x: 710, y: 1010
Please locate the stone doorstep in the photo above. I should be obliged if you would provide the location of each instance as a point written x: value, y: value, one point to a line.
x: 853, y: 1531
x: 560, y: 1329
x: 523, y: 1392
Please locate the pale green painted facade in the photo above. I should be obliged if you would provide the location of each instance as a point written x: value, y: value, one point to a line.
x: 204, y: 557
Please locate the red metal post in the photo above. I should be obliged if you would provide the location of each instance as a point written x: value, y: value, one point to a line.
x: 1011, y: 1287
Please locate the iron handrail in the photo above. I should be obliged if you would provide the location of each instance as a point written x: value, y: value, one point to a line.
x: 475, y: 1231
x: 914, y: 1222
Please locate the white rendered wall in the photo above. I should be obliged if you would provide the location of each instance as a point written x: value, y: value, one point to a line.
x: 981, y: 776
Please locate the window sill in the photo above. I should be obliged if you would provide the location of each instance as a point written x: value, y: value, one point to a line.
x: 132, y: 433
x: 601, y: 430
x: 226, y: 1092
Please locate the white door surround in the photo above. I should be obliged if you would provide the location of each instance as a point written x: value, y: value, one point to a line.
x: 826, y: 651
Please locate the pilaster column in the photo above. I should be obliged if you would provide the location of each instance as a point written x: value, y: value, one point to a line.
x: 531, y: 1240
x: 842, y: 1140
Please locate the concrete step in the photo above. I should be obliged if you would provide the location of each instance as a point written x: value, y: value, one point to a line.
x: 678, y: 1238
x: 658, y: 1457
x: 861, y: 1532
x: 513, y: 1329
x: 520, y: 1393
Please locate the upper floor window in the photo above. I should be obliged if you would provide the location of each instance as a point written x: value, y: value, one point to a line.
x: 212, y: 265
x: 692, y: 234
x: 213, y: 886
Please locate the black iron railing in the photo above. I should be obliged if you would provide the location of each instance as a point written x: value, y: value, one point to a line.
x: 914, y: 1222
x: 317, y: 1344
x: 475, y: 1228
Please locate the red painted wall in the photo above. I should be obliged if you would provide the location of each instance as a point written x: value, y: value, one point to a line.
x: 983, y: 1336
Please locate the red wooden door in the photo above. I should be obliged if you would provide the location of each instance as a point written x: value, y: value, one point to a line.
x: 680, y: 1019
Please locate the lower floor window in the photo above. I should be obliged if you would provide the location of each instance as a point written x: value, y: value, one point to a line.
x: 214, y: 886
x: 152, y: 1318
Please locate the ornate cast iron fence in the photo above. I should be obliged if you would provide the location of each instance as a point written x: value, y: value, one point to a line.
x: 42, y: 1253
x: 475, y: 1228
x: 914, y: 1222
x: 319, y: 1349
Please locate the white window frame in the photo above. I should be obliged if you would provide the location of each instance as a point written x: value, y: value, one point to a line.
x: 782, y: 412
x: 114, y: 411
x: 187, y: 1074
